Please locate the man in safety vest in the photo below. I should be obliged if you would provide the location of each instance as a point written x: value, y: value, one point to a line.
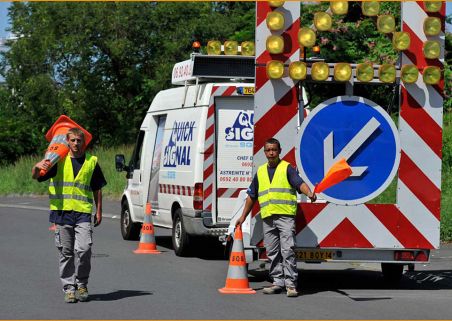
x: 75, y: 184
x: 274, y: 186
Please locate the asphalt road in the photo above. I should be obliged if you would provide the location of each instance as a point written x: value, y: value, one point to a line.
x: 124, y: 285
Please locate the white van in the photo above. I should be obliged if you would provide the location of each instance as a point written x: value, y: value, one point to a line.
x: 194, y: 151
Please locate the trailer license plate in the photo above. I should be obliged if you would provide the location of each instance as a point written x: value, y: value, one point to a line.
x: 307, y: 255
x: 248, y: 90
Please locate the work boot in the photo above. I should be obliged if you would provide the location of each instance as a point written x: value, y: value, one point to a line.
x: 292, y: 292
x: 69, y: 297
x: 82, y: 294
x: 273, y: 289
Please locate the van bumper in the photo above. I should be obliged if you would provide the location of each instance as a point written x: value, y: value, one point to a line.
x: 201, y: 224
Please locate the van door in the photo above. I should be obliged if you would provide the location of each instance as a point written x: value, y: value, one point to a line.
x: 136, y: 188
x: 234, y: 152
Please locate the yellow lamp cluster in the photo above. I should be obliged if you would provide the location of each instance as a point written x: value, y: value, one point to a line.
x: 230, y: 47
x: 275, y: 42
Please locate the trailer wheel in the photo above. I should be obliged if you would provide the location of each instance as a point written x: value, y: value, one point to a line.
x: 392, y: 272
x: 181, y: 239
x: 129, y: 230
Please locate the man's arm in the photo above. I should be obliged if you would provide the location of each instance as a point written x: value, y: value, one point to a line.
x: 249, y: 203
x: 44, y: 164
x: 304, y: 188
x: 98, y: 200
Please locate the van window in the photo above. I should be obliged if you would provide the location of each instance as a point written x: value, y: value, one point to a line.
x: 136, y: 156
x: 157, y: 155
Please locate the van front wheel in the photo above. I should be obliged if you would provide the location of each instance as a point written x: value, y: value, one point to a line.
x: 180, y: 237
x: 129, y: 230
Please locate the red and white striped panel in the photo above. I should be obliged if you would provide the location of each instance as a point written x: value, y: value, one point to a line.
x: 414, y: 221
x: 176, y: 189
x: 209, y: 184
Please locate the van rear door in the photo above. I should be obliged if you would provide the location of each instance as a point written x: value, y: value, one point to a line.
x: 234, y: 152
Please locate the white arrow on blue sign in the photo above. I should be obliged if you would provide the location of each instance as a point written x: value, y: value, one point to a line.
x: 358, y: 130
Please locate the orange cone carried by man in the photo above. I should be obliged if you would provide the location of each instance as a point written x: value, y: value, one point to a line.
x: 147, y: 241
x: 56, y: 135
x: 237, y: 279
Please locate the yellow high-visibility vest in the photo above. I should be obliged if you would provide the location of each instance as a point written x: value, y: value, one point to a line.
x: 69, y: 193
x: 277, y: 197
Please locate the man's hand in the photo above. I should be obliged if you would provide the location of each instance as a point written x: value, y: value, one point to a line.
x: 312, y: 197
x: 240, y: 221
x: 97, y: 219
x: 44, y: 164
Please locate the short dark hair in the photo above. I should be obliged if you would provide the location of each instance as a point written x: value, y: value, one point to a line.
x: 273, y: 141
x: 77, y: 132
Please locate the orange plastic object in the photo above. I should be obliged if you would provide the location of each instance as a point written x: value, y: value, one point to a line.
x: 336, y: 174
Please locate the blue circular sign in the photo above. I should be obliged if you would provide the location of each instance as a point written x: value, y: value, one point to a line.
x: 358, y: 130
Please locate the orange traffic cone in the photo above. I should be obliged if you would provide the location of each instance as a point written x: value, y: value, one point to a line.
x: 237, y: 279
x: 336, y: 174
x: 147, y: 240
x: 52, y: 227
x: 56, y: 135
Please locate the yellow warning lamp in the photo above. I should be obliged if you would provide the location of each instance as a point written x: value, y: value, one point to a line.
x: 316, y: 49
x: 370, y: 8
x: 247, y: 48
x: 214, y: 47
x: 387, y: 73
x: 401, y: 40
x: 409, y: 74
x: 433, y: 6
x: 339, y: 7
x: 275, y: 69
x: 386, y: 23
x: 275, y: 20
x: 322, y: 21
x: 365, y: 72
x: 298, y: 70
x: 342, y: 72
x: 275, y: 44
x: 431, y: 49
x: 276, y: 4
x: 432, y: 26
x: 320, y: 71
x: 231, y: 47
x: 431, y: 75
x: 306, y: 37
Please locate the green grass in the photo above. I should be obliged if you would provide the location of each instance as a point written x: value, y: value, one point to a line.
x: 16, y: 179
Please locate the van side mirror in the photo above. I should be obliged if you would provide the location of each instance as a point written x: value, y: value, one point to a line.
x: 120, y: 163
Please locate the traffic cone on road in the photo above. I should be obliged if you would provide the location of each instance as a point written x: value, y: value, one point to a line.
x: 56, y: 135
x: 147, y: 240
x: 237, y: 279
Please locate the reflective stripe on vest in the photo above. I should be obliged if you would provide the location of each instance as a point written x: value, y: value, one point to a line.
x: 72, y: 194
x: 277, y: 197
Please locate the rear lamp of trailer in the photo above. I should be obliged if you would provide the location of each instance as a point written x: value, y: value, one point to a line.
x: 322, y: 21
x: 306, y: 37
x: 387, y: 73
x: 401, y: 40
x: 214, y: 47
x: 370, y: 8
x: 247, y: 48
x: 231, y: 47
x: 297, y: 70
x: 386, y: 23
x: 403, y: 256
x: 431, y: 75
x: 433, y: 6
x: 320, y: 71
x: 275, y: 44
x: 275, y: 69
x: 342, y: 72
x: 198, y: 196
x: 339, y: 7
x: 276, y: 4
x: 409, y: 74
x: 275, y: 20
x: 431, y: 49
x: 421, y: 257
x: 432, y: 26
x: 365, y: 72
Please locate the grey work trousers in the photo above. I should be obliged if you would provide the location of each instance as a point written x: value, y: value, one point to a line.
x: 279, y: 241
x: 74, y: 250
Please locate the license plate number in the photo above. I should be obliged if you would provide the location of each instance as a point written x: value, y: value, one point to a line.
x: 308, y: 255
x: 248, y: 90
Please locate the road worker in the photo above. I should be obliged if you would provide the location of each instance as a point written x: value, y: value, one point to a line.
x: 274, y: 186
x: 75, y: 184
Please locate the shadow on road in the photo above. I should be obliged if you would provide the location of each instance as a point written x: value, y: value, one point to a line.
x: 117, y: 295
